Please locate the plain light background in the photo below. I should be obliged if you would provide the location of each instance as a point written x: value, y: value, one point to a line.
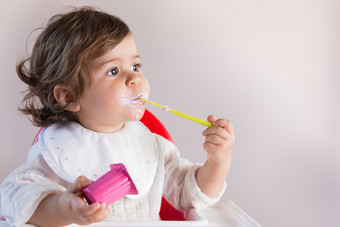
x: 270, y: 66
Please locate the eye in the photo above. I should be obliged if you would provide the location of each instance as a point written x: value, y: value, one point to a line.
x: 113, y: 72
x: 136, y: 67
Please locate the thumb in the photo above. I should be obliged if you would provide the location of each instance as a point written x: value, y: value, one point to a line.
x: 211, y: 118
x: 80, y: 183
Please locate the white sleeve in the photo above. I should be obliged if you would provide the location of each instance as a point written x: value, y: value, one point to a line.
x: 180, y: 185
x: 25, y: 187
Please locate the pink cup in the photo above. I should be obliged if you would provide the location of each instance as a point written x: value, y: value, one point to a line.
x: 110, y: 187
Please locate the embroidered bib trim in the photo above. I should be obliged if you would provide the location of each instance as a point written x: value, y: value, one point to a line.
x: 72, y: 150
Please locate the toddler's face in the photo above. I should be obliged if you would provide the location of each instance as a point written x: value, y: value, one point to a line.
x: 118, y: 82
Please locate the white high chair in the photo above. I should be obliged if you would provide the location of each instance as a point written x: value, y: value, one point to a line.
x: 223, y: 214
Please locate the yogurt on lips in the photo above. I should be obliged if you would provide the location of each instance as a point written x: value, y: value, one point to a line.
x: 134, y: 100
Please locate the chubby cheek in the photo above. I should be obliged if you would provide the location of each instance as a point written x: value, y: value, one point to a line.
x: 146, y: 85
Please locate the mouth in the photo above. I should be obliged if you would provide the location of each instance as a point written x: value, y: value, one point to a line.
x: 135, y: 99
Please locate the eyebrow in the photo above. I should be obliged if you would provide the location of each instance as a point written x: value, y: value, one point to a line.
x: 101, y: 64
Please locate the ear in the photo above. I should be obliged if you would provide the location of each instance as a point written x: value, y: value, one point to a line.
x: 64, y: 97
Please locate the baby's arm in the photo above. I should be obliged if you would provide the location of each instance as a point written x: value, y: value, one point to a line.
x: 218, y: 143
x: 60, y: 209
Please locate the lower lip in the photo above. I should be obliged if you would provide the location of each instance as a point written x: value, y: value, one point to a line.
x: 137, y: 102
x: 134, y: 101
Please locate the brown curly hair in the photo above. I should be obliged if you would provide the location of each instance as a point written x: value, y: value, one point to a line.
x: 61, y: 55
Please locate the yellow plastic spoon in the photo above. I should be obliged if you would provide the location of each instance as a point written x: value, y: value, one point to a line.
x: 195, y: 119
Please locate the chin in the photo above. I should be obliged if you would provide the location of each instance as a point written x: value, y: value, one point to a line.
x: 138, y: 115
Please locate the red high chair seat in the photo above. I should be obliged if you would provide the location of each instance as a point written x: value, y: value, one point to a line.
x: 167, y: 212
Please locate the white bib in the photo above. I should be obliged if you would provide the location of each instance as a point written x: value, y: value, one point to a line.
x: 72, y: 150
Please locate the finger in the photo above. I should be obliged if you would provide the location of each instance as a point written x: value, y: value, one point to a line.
x: 215, y: 130
x: 225, y: 124
x: 229, y: 127
x: 214, y: 139
x: 88, y: 210
x: 211, y: 118
x: 79, y: 184
x: 80, y: 208
x: 78, y: 201
x: 208, y: 147
x: 99, y: 215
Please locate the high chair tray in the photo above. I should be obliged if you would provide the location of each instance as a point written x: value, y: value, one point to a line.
x: 225, y: 214
x: 192, y: 219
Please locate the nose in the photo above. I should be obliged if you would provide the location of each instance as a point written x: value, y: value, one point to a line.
x: 133, y: 79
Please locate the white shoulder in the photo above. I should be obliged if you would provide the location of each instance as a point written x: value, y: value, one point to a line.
x: 33, y: 152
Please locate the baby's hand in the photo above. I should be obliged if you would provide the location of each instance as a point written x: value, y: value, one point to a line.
x: 219, y: 141
x: 83, y: 213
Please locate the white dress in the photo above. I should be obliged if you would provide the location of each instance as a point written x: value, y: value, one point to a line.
x: 65, y: 151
